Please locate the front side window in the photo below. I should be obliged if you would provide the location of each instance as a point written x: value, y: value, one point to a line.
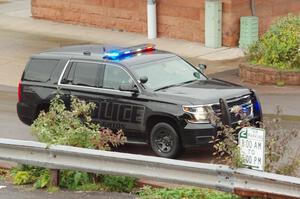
x: 165, y: 73
x: 83, y: 74
x: 115, y: 76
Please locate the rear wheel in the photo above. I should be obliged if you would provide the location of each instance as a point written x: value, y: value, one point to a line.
x: 165, y: 141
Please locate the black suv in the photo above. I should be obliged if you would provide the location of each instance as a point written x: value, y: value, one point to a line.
x: 156, y: 97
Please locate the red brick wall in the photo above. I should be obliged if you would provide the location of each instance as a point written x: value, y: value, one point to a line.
x: 181, y: 19
x: 176, y: 18
x: 266, y: 10
x: 127, y: 15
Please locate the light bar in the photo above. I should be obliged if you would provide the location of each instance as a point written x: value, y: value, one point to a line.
x: 121, y: 53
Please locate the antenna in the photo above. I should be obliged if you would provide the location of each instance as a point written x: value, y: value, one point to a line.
x: 87, y: 53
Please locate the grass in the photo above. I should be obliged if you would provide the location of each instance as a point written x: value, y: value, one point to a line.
x: 275, y: 67
x: 3, y: 174
x: 283, y: 117
x: 179, y: 193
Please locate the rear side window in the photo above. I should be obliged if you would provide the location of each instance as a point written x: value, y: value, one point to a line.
x: 83, y: 74
x: 40, y: 70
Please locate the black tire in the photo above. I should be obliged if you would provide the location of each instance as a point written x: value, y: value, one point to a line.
x: 165, y: 141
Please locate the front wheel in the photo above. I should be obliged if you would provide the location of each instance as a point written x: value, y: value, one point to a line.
x: 165, y: 141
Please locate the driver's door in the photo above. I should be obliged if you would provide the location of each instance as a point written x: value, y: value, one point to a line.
x: 122, y: 110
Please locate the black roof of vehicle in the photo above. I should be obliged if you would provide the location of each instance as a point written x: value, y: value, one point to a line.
x: 97, y: 52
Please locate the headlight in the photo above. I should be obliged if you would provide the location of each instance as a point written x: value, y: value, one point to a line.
x: 198, y: 114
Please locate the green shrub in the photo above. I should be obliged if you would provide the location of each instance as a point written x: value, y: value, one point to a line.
x: 119, y: 183
x: 74, y: 179
x: 23, y: 174
x: 91, y: 187
x: 3, y: 174
x: 279, y: 47
x: 225, y: 145
x: 22, y: 177
x: 179, y: 193
x: 43, y: 180
x: 280, y: 158
x: 74, y: 127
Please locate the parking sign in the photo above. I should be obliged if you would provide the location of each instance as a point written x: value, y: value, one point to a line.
x: 252, y: 147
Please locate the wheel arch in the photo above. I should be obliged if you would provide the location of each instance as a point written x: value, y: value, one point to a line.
x: 155, y: 119
x: 41, y: 107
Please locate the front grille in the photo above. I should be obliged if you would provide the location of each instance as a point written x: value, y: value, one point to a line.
x: 244, y: 101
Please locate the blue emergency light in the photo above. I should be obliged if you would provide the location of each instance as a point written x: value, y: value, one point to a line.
x: 124, y: 52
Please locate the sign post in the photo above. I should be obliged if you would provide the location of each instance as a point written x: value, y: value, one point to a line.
x: 252, y: 147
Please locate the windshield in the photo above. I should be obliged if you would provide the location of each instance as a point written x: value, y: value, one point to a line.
x: 167, y: 73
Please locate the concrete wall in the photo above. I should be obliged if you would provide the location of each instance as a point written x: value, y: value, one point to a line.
x: 176, y: 18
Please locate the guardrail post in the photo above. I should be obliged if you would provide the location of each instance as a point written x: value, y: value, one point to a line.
x: 54, y: 177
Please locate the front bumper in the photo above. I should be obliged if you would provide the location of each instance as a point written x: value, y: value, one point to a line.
x: 194, y: 135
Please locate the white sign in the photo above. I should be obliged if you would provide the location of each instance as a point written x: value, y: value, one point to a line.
x: 252, y: 147
x: 2, y: 187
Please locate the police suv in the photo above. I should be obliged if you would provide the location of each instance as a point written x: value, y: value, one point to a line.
x: 156, y: 97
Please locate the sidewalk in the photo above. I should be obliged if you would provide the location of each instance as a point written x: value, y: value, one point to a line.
x: 8, y: 191
x: 15, y: 15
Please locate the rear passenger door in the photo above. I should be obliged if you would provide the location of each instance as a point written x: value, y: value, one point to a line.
x: 82, y: 79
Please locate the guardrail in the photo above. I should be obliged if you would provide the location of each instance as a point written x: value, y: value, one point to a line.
x: 243, y: 182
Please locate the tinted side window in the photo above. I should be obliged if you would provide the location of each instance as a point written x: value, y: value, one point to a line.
x: 40, y: 70
x: 114, y: 76
x: 84, y: 74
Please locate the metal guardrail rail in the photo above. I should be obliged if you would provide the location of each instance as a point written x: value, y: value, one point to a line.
x: 241, y: 181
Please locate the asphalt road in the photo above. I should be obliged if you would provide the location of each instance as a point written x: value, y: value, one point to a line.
x: 286, y: 97
x: 15, y: 49
x: 7, y: 191
x: 11, y: 127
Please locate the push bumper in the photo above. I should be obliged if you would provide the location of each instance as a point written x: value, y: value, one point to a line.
x: 194, y: 135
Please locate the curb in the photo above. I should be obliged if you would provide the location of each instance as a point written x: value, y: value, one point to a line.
x: 263, y: 75
x: 156, y: 184
x: 7, y: 165
x: 11, y: 89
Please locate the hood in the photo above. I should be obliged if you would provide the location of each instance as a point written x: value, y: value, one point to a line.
x: 204, y: 92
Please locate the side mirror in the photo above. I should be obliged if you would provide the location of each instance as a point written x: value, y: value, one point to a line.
x: 143, y: 79
x: 129, y: 88
x: 202, y: 67
x: 197, y: 75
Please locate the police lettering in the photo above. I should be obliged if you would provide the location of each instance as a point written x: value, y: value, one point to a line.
x: 121, y: 112
x: 112, y: 125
